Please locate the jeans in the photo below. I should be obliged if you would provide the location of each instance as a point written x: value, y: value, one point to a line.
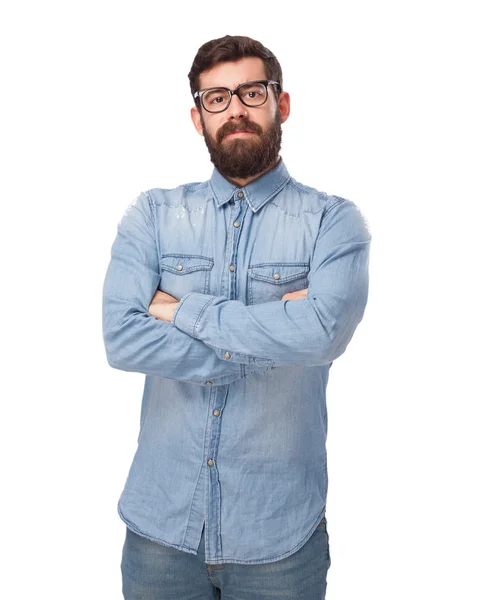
x: 151, y: 571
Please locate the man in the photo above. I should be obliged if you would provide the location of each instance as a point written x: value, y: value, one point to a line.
x: 233, y: 296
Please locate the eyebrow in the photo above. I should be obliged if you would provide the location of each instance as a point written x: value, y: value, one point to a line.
x: 230, y: 88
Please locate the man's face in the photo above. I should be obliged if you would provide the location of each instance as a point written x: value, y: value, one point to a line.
x: 242, y: 140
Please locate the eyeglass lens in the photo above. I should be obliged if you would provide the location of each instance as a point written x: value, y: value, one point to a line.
x: 251, y: 94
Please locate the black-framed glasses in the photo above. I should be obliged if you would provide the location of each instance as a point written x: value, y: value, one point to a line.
x: 251, y: 93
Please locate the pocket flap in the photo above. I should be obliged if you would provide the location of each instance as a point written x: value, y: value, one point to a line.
x: 182, y: 264
x: 279, y: 273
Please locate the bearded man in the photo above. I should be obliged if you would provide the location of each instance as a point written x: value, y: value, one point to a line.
x: 233, y: 296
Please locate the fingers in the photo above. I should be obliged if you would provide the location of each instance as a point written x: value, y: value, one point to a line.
x: 299, y: 295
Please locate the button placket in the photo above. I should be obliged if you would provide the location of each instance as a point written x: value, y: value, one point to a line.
x: 216, y: 406
x: 238, y: 209
x: 212, y: 508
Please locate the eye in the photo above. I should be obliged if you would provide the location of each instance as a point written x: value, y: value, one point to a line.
x: 215, y: 97
x: 253, y: 92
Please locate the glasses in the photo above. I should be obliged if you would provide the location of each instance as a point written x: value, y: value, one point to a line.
x: 251, y: 93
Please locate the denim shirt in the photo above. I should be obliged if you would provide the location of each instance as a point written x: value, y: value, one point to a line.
x: 233, y: 420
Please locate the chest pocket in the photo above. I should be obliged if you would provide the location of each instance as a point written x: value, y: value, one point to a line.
x: 270, y: 281
x: 183, y: 273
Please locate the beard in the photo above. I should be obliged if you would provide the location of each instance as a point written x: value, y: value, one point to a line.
x: 244, y: 157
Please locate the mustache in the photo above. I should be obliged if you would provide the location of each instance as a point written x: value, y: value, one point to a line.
x: 245, y: 125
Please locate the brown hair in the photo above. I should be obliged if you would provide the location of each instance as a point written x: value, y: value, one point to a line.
x: 232, y: 48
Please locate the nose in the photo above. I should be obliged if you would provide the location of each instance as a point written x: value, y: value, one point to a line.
x: 236, y: 109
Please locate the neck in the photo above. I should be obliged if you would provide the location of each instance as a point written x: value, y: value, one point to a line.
x: 243, y: 182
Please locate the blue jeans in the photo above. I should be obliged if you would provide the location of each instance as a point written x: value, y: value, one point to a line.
x: 151, y: 571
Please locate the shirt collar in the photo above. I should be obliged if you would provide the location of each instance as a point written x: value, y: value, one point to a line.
x: 256, y: 193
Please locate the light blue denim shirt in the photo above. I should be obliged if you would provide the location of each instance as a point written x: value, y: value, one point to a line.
x: 233, y: 421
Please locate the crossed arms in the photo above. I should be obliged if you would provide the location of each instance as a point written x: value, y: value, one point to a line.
x: 187, y: 339
x: 163, y: 306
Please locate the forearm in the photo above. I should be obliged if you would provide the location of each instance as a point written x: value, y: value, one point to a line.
x: 311, y: 331
x: 134, y: 339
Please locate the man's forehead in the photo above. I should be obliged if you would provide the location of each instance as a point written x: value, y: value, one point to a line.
x: 231, y: 74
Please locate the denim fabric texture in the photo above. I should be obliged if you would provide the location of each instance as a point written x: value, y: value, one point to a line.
x: 233, y: 421
x: 155, y: 572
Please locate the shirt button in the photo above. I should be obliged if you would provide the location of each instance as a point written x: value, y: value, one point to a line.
x: 211, y: 462
x: 180, y: 267
x: 216, y: 412
x: 232, y: 267
x: 209, y: 383
x: 276, y: 275
x: 227, y: 355
x: 240, y: 194
x: 236, y: 224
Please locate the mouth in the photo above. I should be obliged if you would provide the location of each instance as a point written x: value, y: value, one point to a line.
x: 240, y: 133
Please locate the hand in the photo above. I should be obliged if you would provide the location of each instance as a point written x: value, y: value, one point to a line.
x: 299, y: 295
x: 163, y: 306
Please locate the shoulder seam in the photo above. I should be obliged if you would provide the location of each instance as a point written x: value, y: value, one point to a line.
x: 299, y: 186
x: 339, y: 201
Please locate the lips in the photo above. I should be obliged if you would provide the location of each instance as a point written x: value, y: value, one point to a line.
x: 241, y: 131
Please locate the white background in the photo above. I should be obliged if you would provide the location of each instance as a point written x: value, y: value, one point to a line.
x: 384, y: 112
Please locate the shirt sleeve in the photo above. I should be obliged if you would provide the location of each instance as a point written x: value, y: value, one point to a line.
x: 134, y: 339
x: 311, y: 331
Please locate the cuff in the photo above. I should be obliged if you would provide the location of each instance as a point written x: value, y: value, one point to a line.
x: 245, y: 359
x: 189, y: 312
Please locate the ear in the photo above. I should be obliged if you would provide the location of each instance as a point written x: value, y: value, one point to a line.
x: 284, y: 105
x: 196, y: 118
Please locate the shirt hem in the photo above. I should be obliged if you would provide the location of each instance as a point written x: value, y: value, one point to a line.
x: 223, y: 560
x: 220, y: 561
x: 135, y: 529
